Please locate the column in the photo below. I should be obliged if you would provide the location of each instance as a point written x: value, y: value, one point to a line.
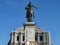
x: 11, y: 37
x: 38, y: 38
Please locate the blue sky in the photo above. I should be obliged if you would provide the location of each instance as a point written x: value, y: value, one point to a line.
x: 12, y: 16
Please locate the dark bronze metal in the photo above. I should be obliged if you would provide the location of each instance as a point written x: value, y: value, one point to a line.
x: 30, y: 12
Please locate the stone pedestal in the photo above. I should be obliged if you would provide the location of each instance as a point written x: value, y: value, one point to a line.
x: 29, y: 28
x: 31, y: 43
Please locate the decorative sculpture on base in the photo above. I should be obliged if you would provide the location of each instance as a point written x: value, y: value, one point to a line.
x: 30, y: 12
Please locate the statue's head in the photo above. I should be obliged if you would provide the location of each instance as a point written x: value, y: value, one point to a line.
x: 30, y: 4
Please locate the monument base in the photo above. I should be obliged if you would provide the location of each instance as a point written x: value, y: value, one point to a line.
x: 29, y: 24
x: 29, y: 28
x: 31, y: 43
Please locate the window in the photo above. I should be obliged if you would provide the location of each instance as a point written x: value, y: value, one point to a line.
x: 23, y: 44
x: 41, y: 38
x: 36, y: 38
x: 17, y: 38
x: 23, y: 38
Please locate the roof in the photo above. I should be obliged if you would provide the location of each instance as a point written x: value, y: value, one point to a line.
x: 21, y: 29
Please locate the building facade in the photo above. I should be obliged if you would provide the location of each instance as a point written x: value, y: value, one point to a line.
x: 18, y: 37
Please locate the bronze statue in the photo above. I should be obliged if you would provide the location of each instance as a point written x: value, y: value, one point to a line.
x: 30, y: 12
